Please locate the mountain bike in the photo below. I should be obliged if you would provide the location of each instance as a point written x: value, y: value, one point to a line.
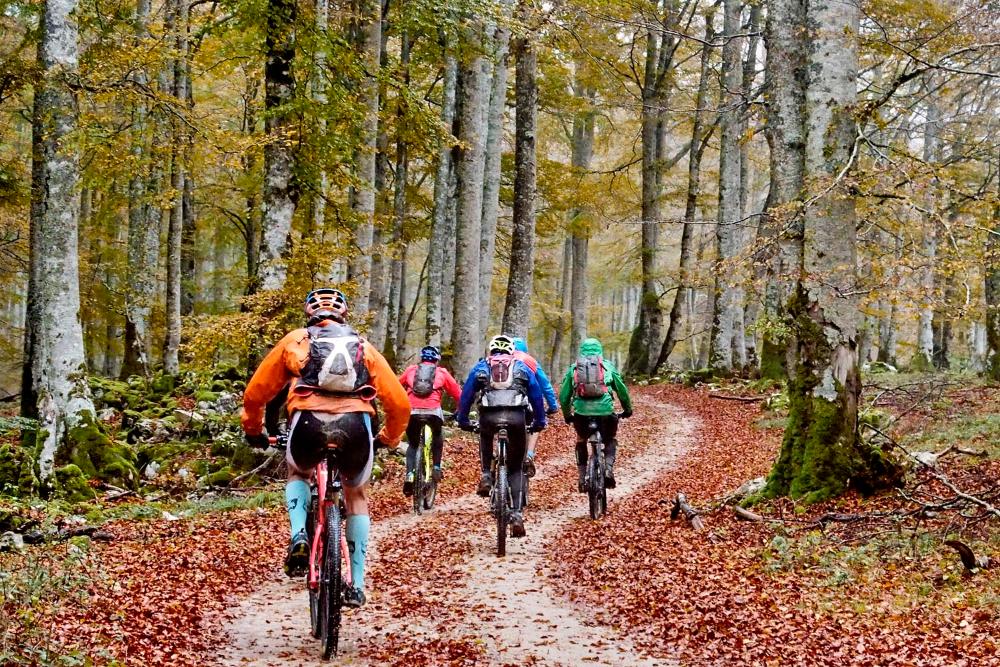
x: 329, y: 565
x: 594, y: 479
x: 424, y: 484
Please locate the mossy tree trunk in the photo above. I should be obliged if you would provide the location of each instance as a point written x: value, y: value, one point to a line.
x: 821, y: 452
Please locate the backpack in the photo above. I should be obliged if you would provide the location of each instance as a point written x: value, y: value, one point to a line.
x: 501, y: 371
x: 423, y: 380
x: 588, y: 377
x: 336, y: 362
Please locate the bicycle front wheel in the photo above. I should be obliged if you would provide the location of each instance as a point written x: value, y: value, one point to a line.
x: 419, y: 479
x: 332, y: 583
x: 502, y: 491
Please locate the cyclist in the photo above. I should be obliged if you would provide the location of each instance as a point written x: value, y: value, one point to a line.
x: 334, y: 376
x: 521, y: 354
x: 587, y: 394
x: 425, y: 384
x: 507, y: 387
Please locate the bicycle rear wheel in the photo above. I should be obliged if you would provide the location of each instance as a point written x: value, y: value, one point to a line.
x: 419, y: 477
x: 595, y: 491
x: 332, y: 583
x: 502, y: 491
x: 431, y: 485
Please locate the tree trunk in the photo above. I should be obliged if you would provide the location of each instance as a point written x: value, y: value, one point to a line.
x: 397, y: 246
x: 580, y: 216
x: 112, y: 277
x: 317, y: 214
x: 748, y: 205
x: 991, y: 288
x: 192, y: 284
x: 728, y: 349
x: 465, y: 334
x: 565, y: 285
x: 699, y: 140
x: 281, y: 192
x: 785, y: 76
x: 520, y: 283
x: 440, y: 236
x: 363, y: 201
x: 251, y: 219
x: 55, y: 390
x: 172, y: 340
x: 143, y: 228
x: 821, y: 453
x: 923, y: 360
x: 491, y: 179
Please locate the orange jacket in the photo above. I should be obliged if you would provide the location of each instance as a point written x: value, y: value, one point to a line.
x: 283, y: 365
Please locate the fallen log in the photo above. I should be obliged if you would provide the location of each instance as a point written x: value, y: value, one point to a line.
x: 746, y: 515
x: 690, y: 513
x: 744, y: 399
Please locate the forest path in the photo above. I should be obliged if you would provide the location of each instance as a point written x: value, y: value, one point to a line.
x: 438, y: 594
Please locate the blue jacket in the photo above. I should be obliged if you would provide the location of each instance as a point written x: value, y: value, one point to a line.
x: 476, y: 382
x: 548, y: 392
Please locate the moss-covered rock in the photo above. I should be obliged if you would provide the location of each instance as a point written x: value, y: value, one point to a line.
x: 163, y: 383
x: 221, y: 477
x: 72, y: 484
x: 205, y: 396
x: 93, y: 452
x: 247, y: 458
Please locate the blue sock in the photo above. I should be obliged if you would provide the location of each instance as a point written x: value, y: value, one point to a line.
x: 297, y: 503
x: 357, y: 543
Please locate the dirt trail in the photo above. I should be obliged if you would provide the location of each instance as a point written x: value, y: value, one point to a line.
x: 502, y: 605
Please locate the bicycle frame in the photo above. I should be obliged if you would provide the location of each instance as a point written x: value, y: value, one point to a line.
x: 329, y: 490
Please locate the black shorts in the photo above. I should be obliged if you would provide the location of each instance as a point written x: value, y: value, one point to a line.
x: 349, y: 433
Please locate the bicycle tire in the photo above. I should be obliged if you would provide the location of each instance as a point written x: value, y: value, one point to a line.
x: 595, y: 489
x: 315, y: 617
x: 430, y: 488
x: 332, y: 583
x: 502, y: 513
x: 525, y: 483
x: 418, y: 478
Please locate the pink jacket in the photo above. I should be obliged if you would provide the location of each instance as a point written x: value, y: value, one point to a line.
x: 443, y: 382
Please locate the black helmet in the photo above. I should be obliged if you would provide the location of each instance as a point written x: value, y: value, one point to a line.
x: 430, y: 353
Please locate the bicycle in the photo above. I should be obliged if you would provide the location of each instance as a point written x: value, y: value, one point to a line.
x: 501, y: 500
x: 594, y: 481
x: 329, y: 565
x: 424, y: 484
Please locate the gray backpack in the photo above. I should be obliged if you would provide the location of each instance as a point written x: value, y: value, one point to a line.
x: 423, y: 380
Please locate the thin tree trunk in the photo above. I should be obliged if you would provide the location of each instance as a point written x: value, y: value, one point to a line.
x: 397, y: 247
x: 727, y: 318
x: 114, y: 320
x: 580, y: 217
x: 520, y: 283
x: 699, y: 140
x: 281, y: 192
x: 363, y: 201
x: 55, y: 390
x: 565, y: 285
x: 317, y: 213
x: 465, y: 334
x: 172, y: 340
x: 991, y: 288
x: 491, y: 179
x: 748, y: 206
x: 440, y: 223
x: 144, y: 227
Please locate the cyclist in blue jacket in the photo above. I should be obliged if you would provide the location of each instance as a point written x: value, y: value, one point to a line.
x: 521, y: 354
x: 506, y: 388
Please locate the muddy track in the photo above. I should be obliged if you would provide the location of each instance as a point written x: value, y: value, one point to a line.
x: 500, y: 606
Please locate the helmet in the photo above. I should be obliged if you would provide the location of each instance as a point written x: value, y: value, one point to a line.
x: 500, y: 345
x: 326, y: 303
x: 430, y: 353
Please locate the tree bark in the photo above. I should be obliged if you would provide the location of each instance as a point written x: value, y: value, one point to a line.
x: 991, y: 288
x: 580, y: 217
x: 491, y: 179
x: 565, y: 285
x: 143, y: 228
x: 281, y: 192
x: 172, y: 340
x: 821, y: 453
x: 924, y: 358
x: 470, y: 167
x: 363, y: 201
x: 55, y: 391
x: 728, y: 349
x: 784, y: 104
x: 397, y: 246
x: 520, y: 283
x: 442, y: 194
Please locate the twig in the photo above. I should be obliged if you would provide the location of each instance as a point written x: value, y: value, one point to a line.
x: 270, y: 459
x: 744, y: 399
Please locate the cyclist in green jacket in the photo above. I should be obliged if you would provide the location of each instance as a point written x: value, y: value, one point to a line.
x: 587, y: 393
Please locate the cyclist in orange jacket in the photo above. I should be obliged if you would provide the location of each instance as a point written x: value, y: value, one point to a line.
x: 334, y: 375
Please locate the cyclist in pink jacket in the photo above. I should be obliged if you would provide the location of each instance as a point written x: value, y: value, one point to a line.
x: 426, y: 384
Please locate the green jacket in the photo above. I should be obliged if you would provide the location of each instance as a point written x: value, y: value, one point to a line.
x: 594, y: 407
